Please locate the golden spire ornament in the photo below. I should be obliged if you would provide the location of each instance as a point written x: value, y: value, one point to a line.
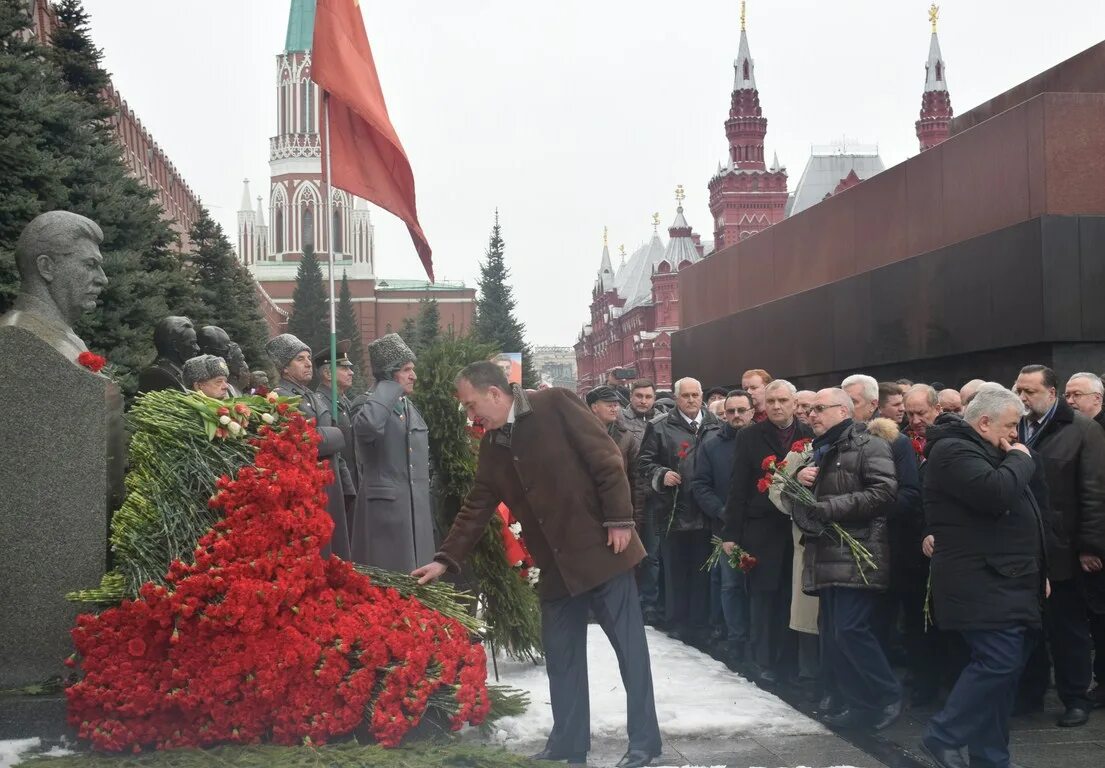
x: 679, y: 195
x: 604, y: 237
x: 655, y: 222
x: 934, y: 14
x: 742, y: 15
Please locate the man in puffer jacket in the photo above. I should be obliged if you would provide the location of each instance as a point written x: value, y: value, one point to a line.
x: 854, y: 482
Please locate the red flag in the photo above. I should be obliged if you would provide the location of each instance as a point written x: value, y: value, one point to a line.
x: 366, y: 157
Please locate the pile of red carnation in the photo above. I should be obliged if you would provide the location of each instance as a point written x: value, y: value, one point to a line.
x: 262, y: 640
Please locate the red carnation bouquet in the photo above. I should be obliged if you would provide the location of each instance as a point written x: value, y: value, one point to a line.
x: 517, y: 553
x: 780, y: 483
x: 258, y: 638
x: 739, y: 559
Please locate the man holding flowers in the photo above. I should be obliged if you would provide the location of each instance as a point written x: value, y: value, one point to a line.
x: 854, y: 485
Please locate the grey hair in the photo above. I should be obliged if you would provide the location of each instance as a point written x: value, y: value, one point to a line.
x: 992, y: 399
x: 782, y: 384
x: 971, y: 387
x: 927, y: 391
x: 870, y: 386
x: 1096, y: 385
x: 842, y: 398
x: 675, y: 387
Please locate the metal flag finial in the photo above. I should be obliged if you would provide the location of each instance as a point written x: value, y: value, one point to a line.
x: 679, y: 195
x: 604, y: 236
x: 742, y: 15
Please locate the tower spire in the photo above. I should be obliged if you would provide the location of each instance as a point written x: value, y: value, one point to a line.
x: 301, y: 26
x: 246, y: 205
x: 606, y: 269
x: 936, y: 107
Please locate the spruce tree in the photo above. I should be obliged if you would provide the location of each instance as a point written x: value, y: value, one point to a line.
x: 428, y: 325
x: 409, y: 331
x: 227, y: 291
x: 495, y: 323
x: 310, y: 318
x: 60, y: 152
x: 349, y: 329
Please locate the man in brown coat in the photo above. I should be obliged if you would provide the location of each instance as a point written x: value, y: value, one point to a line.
x: 604, y: 403
x: 548, y: 459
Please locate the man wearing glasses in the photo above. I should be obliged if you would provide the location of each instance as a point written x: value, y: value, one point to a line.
x: 713, y: 473
x: 1084, y: 394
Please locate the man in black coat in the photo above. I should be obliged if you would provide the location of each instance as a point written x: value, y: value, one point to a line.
x: 713, y: 477
x: 666, y: 463
x: 988, y: 571
x: 752, y: 521
x: 1073, y: 451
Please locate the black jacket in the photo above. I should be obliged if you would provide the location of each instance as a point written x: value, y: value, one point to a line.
x: 1073, y: 449
x: 751, y: 520
x: 666, y: 436
x: 856, y: 488
x: 989, y: 565
x: 908, y: 565
x: 713, y: 474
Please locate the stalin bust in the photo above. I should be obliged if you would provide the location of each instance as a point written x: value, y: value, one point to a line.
x: 61, y: 276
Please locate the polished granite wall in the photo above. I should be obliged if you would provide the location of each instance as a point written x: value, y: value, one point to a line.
x: 1031, y: 292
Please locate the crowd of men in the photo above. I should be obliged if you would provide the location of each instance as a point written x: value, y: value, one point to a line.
x: 981, y: 510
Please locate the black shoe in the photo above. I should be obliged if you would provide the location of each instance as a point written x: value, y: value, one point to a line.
x: 888, y: 716
x: 635, y: 758
x: 1097, y: 696
x: 767, y: 677
x: 1074, y: 717
x: 552, y: 754
x: 943, y: 757
x: 847, y: 719
x: 827, y: 704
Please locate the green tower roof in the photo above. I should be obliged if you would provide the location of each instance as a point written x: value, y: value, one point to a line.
x: 301, y: 26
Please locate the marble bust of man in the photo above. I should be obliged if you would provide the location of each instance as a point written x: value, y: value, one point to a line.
x: 174, y: 337
x: 61, y: 276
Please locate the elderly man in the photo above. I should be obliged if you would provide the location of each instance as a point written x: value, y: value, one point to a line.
x: 753, y: 521
x: 891, y: 405
x: 293, y: 361
x: 393, y: 524
x: 852, y: 477
x: 549, y: 460
x: 803, y: 402
x: 988, y: 578
x: 1073, y: 451
x: 949, y: 401
x: 666, y: 462
x: 61, y: 275
x: 207, y: 374
x: 968, y: 391
x: 606, y: 405
x: 754, y: 382
x: 710, y: 485
x: 1084, y: 393
x: 908, y: 566
x: 922, y: 406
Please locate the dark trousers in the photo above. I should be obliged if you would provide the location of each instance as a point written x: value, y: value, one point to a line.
x: 850, y: 648
x: 734, y: 602
x: 617, y: 609
x: 1068, y: 639
x: 923, y: 645
x: 976, y: 714
x: 771, y: 641
x: 686, y: 585
x: 648, y: 570
x: 1097, y: 629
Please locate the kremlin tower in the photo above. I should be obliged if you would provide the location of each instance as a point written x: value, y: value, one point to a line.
x: 936, y: 104
x: 745, y: 195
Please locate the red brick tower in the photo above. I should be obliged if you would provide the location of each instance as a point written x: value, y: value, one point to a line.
x: 936, y: 103
x: 745, y: 195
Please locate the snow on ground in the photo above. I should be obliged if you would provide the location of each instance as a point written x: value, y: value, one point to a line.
x: 696, y: 696
x: 15, y: 751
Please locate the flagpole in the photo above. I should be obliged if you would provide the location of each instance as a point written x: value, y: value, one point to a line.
x: 330, y: 249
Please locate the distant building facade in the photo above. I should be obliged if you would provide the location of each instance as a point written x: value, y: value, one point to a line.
x: 556, y: 366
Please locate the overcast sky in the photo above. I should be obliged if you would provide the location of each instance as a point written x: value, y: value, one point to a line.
x: 570, y: 115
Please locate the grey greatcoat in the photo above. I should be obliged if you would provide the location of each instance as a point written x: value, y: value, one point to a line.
x: 330, y: 450
x: 392, y: 521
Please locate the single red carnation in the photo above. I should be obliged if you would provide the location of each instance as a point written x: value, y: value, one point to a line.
x: 136, y: 647
x: 91, y: 361
x: 763, y: 484
x: 767, y: 462
x: 800, y: 446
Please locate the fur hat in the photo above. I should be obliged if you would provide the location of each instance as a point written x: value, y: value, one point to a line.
x: 202, y: 368
x: 388, y: 354
x: 283, y: 349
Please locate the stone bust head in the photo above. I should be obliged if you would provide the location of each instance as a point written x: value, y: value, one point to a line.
x: 175, y: 339
x: 59, y: 263
x: 213, y: 340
